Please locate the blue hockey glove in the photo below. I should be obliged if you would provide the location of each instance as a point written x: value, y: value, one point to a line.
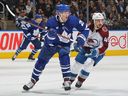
x: 51, y: 39
x: 29, y: 37
x: 80, y: 40
x: 18, y: 22
x: 64, y: 50
x: 52, y: 33
x: 93, y: 53
x: 77, y: 48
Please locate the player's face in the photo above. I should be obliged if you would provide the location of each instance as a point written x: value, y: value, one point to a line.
x: 99, y: 23
x: 38, y: 20
x: 23, y: 14
x: 64, y: 16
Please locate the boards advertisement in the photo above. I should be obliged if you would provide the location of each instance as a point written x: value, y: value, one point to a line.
x: 10, y: 41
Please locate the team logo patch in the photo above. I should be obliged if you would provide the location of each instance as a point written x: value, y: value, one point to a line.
x: 93, y: 42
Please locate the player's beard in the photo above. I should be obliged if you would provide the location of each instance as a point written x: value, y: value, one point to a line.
x: 99, y: 26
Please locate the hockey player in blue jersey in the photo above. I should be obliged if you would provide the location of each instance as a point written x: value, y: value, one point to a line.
x: 92, y: 52
x: 30, y: 33
x: 58, y: 41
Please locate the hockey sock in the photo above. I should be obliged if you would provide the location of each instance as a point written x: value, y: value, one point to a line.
x: 73, y: 76
x: 83, y: 75
x: 18, y: 51
x: 66, y: 72
x: 39, y: 66
x: 75, y: 70
x: 33, y: 52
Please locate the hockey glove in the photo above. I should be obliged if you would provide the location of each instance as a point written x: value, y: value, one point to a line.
x: 51, y: 37
x: 80, y: 40
x: 52, y: 33
x: 64, y: 50
x: 77, y: 48
x: 93, y: 53
x: 28, y: 36
x: 18, y: 23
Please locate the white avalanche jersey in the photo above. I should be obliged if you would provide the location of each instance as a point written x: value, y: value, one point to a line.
x: 94, y: 40
x: 98, y: 38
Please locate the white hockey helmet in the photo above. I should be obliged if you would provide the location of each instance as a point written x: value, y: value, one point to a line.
x: 97, y: 16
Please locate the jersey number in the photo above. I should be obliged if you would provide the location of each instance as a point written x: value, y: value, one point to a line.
x: 25, y: 26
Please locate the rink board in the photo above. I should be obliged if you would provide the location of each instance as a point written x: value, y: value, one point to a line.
x: 72, y: 54
x: 10, y: 41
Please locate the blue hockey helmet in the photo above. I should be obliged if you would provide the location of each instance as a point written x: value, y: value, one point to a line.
x: 37, y: 16
x: 62, y: 8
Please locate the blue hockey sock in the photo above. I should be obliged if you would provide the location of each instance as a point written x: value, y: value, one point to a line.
x: 73, y: 76
x: 39, y: 66
x: 34, y: 51
x: 18, y: 51
x: 66, y: 72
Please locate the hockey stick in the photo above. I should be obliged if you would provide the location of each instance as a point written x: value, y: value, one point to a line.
x: 9, y: 10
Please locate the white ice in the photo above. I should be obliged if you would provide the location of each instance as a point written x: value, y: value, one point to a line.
x: 108, y: 78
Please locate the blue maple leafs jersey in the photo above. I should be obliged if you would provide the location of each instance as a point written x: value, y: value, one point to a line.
x: 28, y: 28
x: 66, y: 29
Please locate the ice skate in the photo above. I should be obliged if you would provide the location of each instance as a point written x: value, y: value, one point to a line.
x: 78, y: 84
x: 31, y: 58
x: 30, y: 85
x: 67, y: 85
x: 14, y: 57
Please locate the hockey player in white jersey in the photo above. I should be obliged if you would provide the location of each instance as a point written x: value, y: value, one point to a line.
x: 92, y: 51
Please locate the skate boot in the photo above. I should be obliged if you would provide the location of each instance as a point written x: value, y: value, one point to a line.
x: 71, y: 81
x: 67, y: 85
x: 79, y: 82
x: 31, y: 57
x: 30, y: 85
x: 14, y: 57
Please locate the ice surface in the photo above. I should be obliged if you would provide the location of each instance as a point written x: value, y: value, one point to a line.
x: 108, y: 78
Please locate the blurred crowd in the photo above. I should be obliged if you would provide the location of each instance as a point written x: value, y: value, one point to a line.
x: 114, y: 11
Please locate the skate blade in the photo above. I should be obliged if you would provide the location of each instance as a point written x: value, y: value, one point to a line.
x: 53, y: 92
x: 29, y: 60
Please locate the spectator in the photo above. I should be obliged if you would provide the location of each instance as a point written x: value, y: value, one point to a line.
x: 78, y: 8
x: 120, y: 6
x: 113, y: 19
x: 126, y: 11
x: 0, y: 26
x: 49, y: 9
x: 41, y: 5
x: 28, y: 7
